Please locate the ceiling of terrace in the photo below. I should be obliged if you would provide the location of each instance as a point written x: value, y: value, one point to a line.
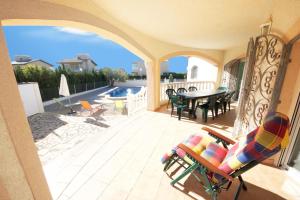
x: 210, y: 24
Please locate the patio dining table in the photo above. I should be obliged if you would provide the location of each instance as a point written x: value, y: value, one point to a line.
x: 195, y: 95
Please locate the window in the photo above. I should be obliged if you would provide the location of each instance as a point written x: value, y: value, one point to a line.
x: 194, y: 72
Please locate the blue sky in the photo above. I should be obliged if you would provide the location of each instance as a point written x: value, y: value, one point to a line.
x: 53, y: 44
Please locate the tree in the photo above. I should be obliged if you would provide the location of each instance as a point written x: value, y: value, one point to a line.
x: 120, y: 75
x: 171, y: 79
x: 109, y: 76
x: 19, y: 74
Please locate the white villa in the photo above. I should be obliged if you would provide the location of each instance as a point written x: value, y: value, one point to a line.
x: 201, y: 70
x: 24, y: 60
x: 82, y: 62
x: 138, y: 67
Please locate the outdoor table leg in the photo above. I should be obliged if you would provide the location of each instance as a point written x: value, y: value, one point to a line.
x: 194, y: 108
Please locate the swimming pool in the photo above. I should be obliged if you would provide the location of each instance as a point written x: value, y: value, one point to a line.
x: 122, y: 91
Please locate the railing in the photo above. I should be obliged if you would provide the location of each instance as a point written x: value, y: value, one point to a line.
x: 137, y: 102
x: 200, y: 85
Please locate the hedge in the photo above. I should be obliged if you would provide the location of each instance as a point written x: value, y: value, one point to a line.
x: 49, y: 80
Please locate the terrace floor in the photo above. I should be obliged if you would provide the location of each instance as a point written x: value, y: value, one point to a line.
x: 123, y: 162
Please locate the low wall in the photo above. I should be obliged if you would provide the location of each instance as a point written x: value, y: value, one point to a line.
x: 31, y: 98
x: 131, y: 83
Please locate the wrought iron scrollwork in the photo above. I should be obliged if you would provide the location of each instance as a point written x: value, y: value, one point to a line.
x: 268, y: 50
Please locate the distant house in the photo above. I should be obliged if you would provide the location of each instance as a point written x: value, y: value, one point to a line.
x: 24, y: 60
x: 82, y: 62
x: 138, y: 68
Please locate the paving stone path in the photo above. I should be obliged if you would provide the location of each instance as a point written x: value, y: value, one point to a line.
x: 54, y: 133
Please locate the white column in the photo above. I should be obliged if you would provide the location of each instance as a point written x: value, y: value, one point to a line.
x: 153, y: 84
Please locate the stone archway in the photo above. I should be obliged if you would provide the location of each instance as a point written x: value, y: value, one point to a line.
x: 193, y: 70
x: 26, y: 173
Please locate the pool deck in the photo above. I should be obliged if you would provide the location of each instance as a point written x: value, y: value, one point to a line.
x: 92, y: 97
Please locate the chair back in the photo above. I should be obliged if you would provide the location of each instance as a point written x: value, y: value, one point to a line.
x: 170, y: 92
x: 221, y: 98
x: 192, y: 88
x: 212, y: 101
x: 259, y: 144
x: 86, y: 105
x: 229, y: 95
x: 119, y: 104
x: 175, y: 100
x: 222, y: 88
x: 178, y: 101
x: 181, y: 90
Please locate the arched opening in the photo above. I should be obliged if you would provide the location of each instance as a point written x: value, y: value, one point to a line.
x: 188, y: 69
x: 232, y: 76
x: 55, y: 123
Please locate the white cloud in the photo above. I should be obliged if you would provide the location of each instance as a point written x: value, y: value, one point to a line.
x: 66, y: 34
x: 73, y: 31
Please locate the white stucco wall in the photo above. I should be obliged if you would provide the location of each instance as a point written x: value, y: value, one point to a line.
x: 205, y: 71
x: 31, y: 98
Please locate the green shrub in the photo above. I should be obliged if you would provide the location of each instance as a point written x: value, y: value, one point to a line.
x: 174, y: 75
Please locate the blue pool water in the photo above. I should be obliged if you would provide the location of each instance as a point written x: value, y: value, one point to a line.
x: 122, y: 91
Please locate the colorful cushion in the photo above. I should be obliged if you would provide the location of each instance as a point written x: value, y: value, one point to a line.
x: 263, y: 142
x: 197, y: 143
x: 214, y: 153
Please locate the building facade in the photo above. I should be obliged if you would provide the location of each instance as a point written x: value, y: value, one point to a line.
x: 82, y: 62
x: 24, y: 61
x: 139, y: 69
x: 201, y: 70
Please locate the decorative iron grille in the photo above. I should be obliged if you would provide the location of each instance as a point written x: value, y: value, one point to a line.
x: 268, y: 50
